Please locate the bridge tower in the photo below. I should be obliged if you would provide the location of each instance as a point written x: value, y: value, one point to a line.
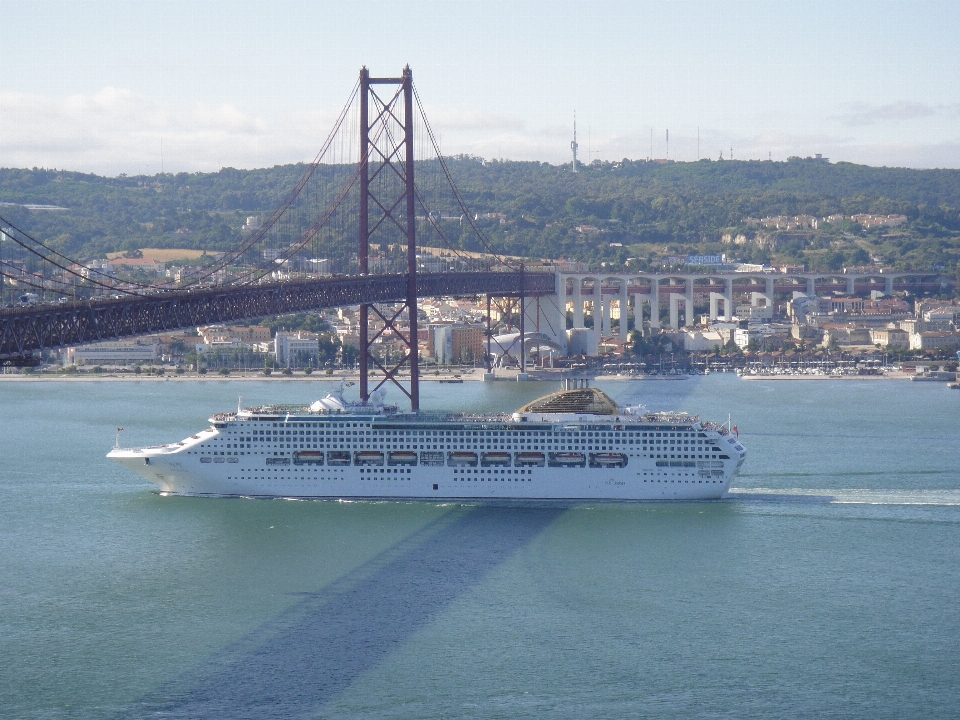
x: 388, y: 214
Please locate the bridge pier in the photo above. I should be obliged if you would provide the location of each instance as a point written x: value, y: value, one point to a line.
x: 624, y: 311
x: 578, y: 303
x: 675, y: 300
x: 605, y: 304
x: 639, y: 301
x: 655, y: 303
x: 715, y: 300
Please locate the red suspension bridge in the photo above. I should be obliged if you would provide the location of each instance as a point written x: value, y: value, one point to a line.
x: 354, y: 230
x: 349, y: 232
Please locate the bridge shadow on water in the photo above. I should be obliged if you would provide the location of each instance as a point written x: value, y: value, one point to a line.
x: 308, y: 655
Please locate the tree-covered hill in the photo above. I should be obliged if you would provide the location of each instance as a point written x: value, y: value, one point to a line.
x: 606, y: 212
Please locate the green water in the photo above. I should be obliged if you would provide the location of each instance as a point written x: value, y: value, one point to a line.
x: 826, y: 586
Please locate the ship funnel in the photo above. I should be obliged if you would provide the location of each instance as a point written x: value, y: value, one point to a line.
x: 575, y: 383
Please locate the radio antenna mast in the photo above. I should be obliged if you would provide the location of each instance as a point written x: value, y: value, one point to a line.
x: 573, y: 143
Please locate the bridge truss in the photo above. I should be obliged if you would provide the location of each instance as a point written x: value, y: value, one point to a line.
x: 27, y: 330
x: 347, y: 233
x: 388, y: 210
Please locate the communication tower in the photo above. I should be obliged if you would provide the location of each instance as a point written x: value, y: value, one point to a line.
x: 573, y: 143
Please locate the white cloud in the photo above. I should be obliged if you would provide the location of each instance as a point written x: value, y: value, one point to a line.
x: 116, y: 130
x: 472, y: 120
x: 860, y: 114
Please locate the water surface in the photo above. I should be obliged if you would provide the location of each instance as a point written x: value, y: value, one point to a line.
x: 826, y: 585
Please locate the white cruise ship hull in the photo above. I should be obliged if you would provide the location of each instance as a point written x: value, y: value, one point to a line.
x: 364, y: 455
x: 172, y: 475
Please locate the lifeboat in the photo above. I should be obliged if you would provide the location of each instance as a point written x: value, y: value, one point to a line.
x: 308, y: 457
x: 495, y: 459
x: 529, y: 459
x: 568, y: 459
x: 402, y: 457
x: 608, y: 459
x: 458, y: 458
x: 338, y: 457
x: 368, y: 457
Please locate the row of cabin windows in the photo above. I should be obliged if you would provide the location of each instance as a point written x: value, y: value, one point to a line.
x: 465, y: 433
x: 480, y: 434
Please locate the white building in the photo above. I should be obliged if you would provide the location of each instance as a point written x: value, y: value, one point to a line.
x: 296, y: 349
x: 743, y: 336
x: 934, y: 340
x: 702, y: 341
x: 121, y: 352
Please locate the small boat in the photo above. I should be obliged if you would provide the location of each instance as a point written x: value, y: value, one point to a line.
x: 454, y: 380
x: 368, y: 457
x: 495, y: 459
x: 529, y: 459
x: 402, y: 457
x: 568, y: 459
x: 458, y: 458
x: 608, y: 460
x: 308, y: 457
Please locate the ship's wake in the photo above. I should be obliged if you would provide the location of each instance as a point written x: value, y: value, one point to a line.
x: 847, y: 496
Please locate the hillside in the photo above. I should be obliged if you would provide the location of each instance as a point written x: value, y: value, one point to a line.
x: 607, y: 212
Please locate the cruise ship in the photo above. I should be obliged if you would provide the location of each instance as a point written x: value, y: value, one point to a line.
x: 576, y: 444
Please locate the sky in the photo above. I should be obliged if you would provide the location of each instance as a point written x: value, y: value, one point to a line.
x: 136, y: 86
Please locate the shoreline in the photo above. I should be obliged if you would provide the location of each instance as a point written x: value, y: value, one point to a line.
x: 888, y: 376
x: 444, y: 379
x: 305, y: 378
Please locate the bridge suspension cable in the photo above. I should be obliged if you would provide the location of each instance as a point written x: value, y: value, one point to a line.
x: 350, y: 192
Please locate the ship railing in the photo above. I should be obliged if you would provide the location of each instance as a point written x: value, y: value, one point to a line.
x: 722, y: 429
x: 458, y: 417
x: 669, y: 417
x: 306, y: 410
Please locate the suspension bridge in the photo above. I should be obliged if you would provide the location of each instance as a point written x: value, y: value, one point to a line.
x: 348, y: 233
x: 376, y: 199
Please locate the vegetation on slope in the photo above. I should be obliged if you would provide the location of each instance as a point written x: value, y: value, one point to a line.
x: 616, y: 213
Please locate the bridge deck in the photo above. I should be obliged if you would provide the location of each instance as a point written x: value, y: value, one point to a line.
x: 25, y: 330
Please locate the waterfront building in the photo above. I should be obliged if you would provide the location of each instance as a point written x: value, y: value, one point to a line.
x: 120, y: 352
x: 296, y: 349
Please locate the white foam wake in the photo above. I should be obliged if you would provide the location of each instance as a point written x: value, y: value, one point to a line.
x: 853, y: 496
